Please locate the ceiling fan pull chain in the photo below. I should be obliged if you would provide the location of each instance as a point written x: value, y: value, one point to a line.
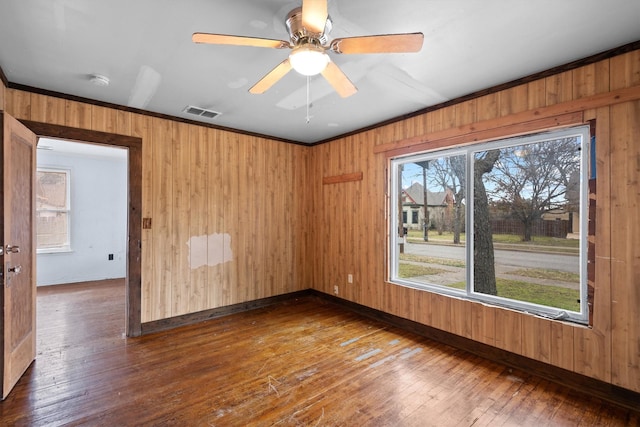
x: 308, y: 101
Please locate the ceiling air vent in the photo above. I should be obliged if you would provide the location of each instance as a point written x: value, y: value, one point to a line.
x: 202, y: 112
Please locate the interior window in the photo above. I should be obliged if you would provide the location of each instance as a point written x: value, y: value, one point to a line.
x: 52, y: 210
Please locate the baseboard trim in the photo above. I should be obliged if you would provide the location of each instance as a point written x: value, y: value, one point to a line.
x: 201, y: 316
x: 581, y: 383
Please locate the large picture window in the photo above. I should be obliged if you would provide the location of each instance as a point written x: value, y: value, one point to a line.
x: 502, y: 222
x: 52, y: 210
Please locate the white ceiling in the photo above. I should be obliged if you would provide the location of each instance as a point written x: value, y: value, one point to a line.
x: 144, y: 47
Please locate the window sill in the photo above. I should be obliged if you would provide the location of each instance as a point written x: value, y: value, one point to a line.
x: 54, y: 251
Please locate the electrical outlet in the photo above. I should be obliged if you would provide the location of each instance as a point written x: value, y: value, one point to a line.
x: 350, y: 278
x: 110, y: 257
x: 335, y: 289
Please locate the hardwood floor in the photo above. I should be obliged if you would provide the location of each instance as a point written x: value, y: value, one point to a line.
x: 306, y: 362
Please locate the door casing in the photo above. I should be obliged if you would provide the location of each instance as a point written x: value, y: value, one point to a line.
x: 134, y: 229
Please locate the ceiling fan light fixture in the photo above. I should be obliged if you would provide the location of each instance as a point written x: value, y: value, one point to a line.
x: 308, y: 59
x: 308, y: 27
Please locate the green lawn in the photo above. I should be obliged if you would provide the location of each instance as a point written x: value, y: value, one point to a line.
x: 552, y: 296
x: 415, y: 270
x: 542, y: 273
x: 432, y: 260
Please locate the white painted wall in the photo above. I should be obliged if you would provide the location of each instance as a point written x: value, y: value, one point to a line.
x: 98, y: 216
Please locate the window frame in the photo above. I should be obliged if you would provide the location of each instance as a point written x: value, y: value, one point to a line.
x: 469, y: 152
x: 66, y: 247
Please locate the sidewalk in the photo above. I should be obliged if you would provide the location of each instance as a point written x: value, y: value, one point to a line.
x: 521, y: 247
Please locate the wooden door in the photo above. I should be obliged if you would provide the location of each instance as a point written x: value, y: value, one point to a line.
x: 17, y: 240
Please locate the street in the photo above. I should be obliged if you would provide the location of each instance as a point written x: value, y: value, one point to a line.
x: 511, y: 258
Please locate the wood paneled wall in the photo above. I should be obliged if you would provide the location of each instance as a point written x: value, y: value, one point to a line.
x: 227, y: 221
x: 352, y: 228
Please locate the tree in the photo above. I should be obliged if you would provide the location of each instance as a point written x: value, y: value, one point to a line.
x: 425, y: 205
x: 484, y: 272
x: 450, y: 173
x: 400, y: 216
x: 533, y: 179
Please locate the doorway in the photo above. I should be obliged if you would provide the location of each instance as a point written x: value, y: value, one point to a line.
x: 81, y: 210
x: 134, y: 206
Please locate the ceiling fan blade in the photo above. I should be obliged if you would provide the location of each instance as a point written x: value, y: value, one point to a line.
x: 339, y: 80
x: 238, y: 40
x: 271, y: 78
x: 314, y: 15
x: 384, y: 43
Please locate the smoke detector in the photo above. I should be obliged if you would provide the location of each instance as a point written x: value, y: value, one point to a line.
x: 99, y: 80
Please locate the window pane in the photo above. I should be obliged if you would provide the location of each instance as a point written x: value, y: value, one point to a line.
x: 52, y: 209
x: 526, y: 222
x: 51, y: 190
x: 52, y: 229
x: 433, y: 191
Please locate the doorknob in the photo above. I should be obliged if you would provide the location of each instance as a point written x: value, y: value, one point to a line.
x: 13, y: 249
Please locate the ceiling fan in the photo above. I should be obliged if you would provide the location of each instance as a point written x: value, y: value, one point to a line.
x: 308, y: 28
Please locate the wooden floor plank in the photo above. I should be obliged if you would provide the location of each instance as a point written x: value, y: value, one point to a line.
x: 302, y: 362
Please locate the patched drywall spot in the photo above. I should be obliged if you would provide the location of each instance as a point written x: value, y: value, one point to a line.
x: 209, y: 250
x: 219, y: 246
x: 197, y: 251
